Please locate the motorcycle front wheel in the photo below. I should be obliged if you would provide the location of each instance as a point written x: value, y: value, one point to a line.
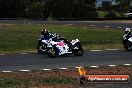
x: 127, y: 46
x: 41, y: 49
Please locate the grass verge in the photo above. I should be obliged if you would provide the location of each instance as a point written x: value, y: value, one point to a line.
x: 57, y: 78
x: 23, y: 37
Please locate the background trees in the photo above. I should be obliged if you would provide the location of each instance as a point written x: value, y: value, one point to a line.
x: 61, y: 9
x: 106, y: 5
x: 78, y: 9
x: 57, y: 9
x: 84, y: 9
x: 21, y: 8
x: 11, y: 9
x: 34, y: 9
x: 123, y: 6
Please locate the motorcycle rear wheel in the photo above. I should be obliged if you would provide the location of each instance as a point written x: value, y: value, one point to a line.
x: 78, y: 52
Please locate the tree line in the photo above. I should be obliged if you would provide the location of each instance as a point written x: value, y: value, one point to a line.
x: 58, y: 9
x: 119, y: 6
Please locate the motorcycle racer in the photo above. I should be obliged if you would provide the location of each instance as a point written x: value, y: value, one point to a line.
x: 55, y: 45
x: 128, y: 33
x: 55, y: 37
x: 127, y: 39
x: 45, y: 34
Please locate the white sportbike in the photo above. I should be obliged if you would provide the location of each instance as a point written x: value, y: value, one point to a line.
x: 59, y: 48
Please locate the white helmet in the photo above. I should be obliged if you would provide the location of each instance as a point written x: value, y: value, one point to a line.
x: 127, y: 30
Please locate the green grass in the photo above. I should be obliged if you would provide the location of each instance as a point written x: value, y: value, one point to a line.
x: 26, y: 82
x: 23, y: 37
x: 103, y: 13
x: 8, y: 83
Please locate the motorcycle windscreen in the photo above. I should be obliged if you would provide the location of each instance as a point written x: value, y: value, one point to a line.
x: 46, y: 38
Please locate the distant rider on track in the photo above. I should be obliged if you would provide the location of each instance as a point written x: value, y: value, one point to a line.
x: 128, y: 33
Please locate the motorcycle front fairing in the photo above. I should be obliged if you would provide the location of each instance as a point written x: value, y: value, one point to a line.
x: 61, y: 47
x: 43, y: 40
x: 130, y: 39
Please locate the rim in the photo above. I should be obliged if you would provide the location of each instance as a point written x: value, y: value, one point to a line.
x: 43, y: 48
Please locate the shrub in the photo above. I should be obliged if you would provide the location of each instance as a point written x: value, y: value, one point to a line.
x: 111, y: 15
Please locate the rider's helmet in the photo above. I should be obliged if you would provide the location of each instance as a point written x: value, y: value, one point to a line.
x: 43, y: 31
x: 127, y: 30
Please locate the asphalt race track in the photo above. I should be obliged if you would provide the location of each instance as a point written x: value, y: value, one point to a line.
x: 33, y: 61
x: 112, y: 24
x: 90, y: 58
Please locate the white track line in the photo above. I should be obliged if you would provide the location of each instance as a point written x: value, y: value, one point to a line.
x: 127, y: 64
x: 23, y: 53
x: 62, y: 68
x: 112, y: 65
x: 79, y: 67
x: 96, y: 50
x: 112, y: 49
x: 6, y: 71
x: 92, y: 25
x: 24, y: 70
x: 93, y: 66
x: 119, y: 27
x: 46, y: 69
